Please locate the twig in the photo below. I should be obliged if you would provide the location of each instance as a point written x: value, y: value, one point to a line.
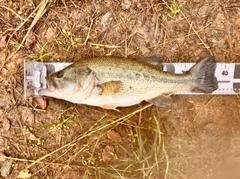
x: 27, y: 160
x: 167, y: 163
x: 105, y: 46
x: 237, y: 4
x: 132, y: 34
x: 23, y: 19
x: 52, y: 162
x: 203, y: 108
x: 88, y: 34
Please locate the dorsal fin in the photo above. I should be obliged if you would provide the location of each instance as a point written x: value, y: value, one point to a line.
x: 155, y: 61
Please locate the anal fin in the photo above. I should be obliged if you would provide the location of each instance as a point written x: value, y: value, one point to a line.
x: 161, y: 101
x: 109, y: 106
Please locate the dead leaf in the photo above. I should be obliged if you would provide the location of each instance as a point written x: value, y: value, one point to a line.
x: 11, y: 66
x: 114, y: 136
x: 3, y: 55
x: 24, y: 174
x: 2, y: 157
x: 6, y: 168
x: 41, y: 103
x: 107, y: 153
x: 5, y: 104
x: 30, y: 41
x: 4, y: 71
x: 33, y: 137
x: 16, y: 61
x: 106, y: 20
x: 3, y: 41
x: 126, y: 4
x: 144, y: 50
x: 50, y: 34
x: 6, y: 124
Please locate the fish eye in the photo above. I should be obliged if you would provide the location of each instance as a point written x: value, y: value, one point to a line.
x: 60, y: 74
x: 88, y: 70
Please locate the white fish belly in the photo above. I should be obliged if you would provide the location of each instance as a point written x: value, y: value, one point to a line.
x: 111, y: 102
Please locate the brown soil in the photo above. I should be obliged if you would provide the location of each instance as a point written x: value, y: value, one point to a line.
x: 200, y: 135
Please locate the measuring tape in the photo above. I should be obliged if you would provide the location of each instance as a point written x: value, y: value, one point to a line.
x: 227, y: 74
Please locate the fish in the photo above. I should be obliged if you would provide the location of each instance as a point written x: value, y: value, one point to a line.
x: 110, y: 82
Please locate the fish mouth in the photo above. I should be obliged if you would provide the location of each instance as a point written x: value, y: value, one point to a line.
x: 51, y: 85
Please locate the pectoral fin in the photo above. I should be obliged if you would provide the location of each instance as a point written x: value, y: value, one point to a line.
x: 161, y: 101
x: 110, y: 88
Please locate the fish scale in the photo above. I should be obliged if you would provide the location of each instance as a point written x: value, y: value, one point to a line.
x: 126, y: 74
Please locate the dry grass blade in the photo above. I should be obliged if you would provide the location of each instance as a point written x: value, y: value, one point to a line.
x: 167, y: 162
x: 146, y: 158
x: 184, y: 36
x: 88, y: 34
x: 105, y: 46
x: 90, y: 132
x: 199, y: 112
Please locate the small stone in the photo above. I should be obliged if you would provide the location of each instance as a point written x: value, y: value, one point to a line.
x: 126, y: 4
x: 2, y: 157
x: 6, y: 168
x: 107, y: 154
x: 30, y: 41
x: 106, y: 20
x: 6, y: 124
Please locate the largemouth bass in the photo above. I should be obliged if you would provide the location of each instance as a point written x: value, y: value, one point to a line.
x: 111, y: 82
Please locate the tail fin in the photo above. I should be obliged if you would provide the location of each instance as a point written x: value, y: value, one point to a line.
x: 203, y: 75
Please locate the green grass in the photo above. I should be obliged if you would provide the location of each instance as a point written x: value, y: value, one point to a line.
x: 41, y: 55
x: 172, y: 7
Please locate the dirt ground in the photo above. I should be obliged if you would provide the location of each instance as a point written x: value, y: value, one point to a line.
x: 197, y: 137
